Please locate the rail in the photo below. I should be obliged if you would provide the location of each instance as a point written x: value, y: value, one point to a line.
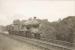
x: 41, y: 43
x: 64, y: 43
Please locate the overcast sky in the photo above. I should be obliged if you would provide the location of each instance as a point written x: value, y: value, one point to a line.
x: 44, y: 9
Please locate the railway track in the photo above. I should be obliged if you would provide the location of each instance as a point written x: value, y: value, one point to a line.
x: 39, y: 43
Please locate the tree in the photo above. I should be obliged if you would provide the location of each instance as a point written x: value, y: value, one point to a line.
x: 65, y: 29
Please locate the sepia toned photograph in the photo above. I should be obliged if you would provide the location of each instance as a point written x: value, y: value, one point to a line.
x: 37, y: 24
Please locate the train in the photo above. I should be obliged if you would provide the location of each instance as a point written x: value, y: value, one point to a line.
x: 26, y: 28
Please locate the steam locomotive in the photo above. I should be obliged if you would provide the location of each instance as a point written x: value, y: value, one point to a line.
x: 28, y: 28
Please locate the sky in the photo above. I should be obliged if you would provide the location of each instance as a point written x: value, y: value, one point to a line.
x: 43, y: 9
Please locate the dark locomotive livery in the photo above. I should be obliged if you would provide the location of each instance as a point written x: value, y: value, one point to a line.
x: 28, y: 28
